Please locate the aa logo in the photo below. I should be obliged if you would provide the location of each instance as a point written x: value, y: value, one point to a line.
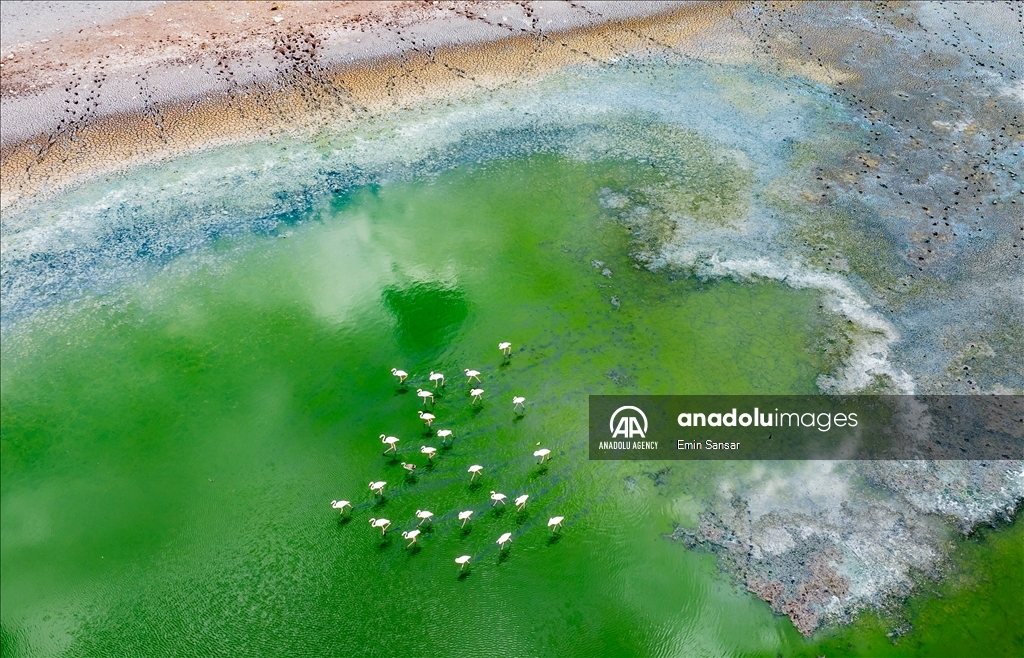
x: 628, y: 425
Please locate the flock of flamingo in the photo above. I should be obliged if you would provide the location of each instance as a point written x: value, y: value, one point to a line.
x: 426, y: 516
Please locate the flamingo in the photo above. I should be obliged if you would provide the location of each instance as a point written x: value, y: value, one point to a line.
x: 340, y: 505
x: 436, y: 377
x: 411, y: 536
x: 429, y: 452
x: 474, y: 469
x: 542, y: 453
x: 444, y: 434
x: 409, y: 467
x: 464, y: 516
x: 424, y: 516
x: 504, y: 539
x: 497, y: 498
x: 517, y: 402
x: 425, y: 394
x: 401, y: 374
x: 472, y: 374
x: 391, y: 441
x: 555, y: 522
x: 378, y: 487
x: 426, y: 417
x: 462, y: 561
x: 476, y: 393
x: 506, y: 348
x: 380, y: 523
x: 521, y: 502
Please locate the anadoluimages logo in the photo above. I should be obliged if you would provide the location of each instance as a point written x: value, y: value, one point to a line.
x: 628, y: 425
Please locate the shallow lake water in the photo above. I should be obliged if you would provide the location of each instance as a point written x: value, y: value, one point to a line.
x: 169, y: 456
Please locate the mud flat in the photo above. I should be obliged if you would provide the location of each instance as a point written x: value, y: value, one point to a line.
x: 182, y: 76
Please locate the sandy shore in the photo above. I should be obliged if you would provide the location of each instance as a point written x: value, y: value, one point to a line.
x: 181, y: 76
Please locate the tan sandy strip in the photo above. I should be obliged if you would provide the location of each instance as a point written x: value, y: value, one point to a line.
x: 309, y: 100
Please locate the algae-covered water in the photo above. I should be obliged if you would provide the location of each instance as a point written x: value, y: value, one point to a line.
x: 169, y: 453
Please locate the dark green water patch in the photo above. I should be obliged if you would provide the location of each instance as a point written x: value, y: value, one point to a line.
x: 427, y: 316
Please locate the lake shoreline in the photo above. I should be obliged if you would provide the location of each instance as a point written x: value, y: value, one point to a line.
x: 185, y: 77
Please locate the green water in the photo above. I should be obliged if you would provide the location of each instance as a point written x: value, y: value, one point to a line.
x: 169, y: 454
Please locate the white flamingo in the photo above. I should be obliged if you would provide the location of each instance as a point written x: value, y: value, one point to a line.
x: 476, y: 393
x: 474, y: 469
x: 521, y: 502
x: 409, y: 467
x: 401, y: 374
x: 444, y: 434
x: 517, y: 402
x: 497, y: 498
x: 436, y: 377
x: 380, y: 523
x: 378, y: 487
x: 462, y: 561
x: 465, y: 516
x: 426, y: 417
x: 504, y: 539
x: 472, y: 374
x: 411, y: 536
x: 340, y: 505
x: 425, y: 395
x: 390, y: 441
x: 506, y: 348
x: 424, y: 516
x: 543, y: 453
x: 555, y: 522
x: 429, y: 452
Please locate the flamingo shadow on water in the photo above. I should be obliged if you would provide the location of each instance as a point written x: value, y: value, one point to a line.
x: 499, y: 511
x: 464, y: 574
x: 538, y: 472
x: 414, y: 549
x: 380, y: 503
x: 385, y: 542
x: 554, y: 538
x: 503, y: 555
x: 345, y: 520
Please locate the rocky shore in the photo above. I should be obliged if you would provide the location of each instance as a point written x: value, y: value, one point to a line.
x: 821, y: 541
